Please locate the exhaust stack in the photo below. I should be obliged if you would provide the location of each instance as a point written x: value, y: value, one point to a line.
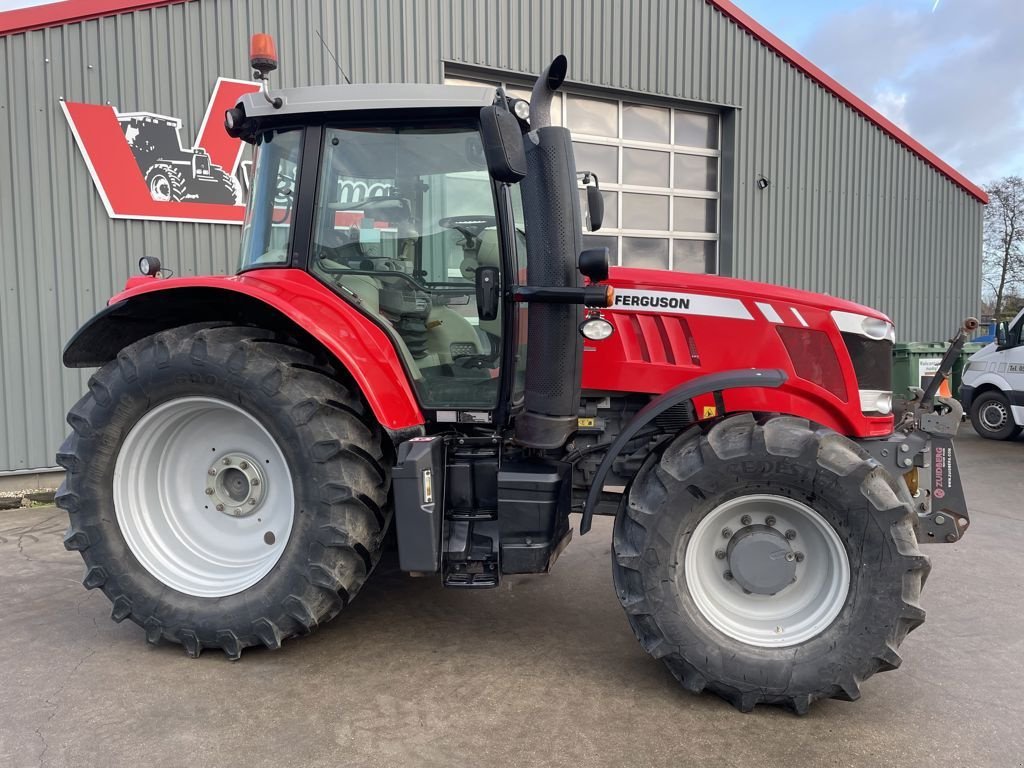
x: 554, y: 239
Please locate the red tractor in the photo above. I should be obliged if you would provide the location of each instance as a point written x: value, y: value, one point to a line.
x: 418, y: 353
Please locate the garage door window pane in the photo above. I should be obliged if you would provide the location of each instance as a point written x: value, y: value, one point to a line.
x: 694, y: 214
x: 644, y: 211
x: 593, y: 116
x: 645, y: 167
x: 611, y: 209
x: 641, y: 123
x: 696, y: 172
x: 611, y: 243
x: 695, y: 129
x: 645, y: 252
x: 597, y: 158
x: 694, y: 256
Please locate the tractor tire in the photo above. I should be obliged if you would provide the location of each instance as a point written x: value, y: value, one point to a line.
x: 225, y: 191
x: 166, y: 183
x: 224, y: 488
x: 992, y: 416
x: 770, y: 562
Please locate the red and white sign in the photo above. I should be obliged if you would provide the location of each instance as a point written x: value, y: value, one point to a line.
x: 142, y: 171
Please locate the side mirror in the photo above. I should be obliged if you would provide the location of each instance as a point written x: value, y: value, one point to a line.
x: 503, y: 145
x: 1002, y: 337
x: 487, y: 292
x: 595, y: 207
x: 595, y: 200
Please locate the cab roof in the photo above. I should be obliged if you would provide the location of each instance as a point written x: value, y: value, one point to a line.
x: 365, y: 96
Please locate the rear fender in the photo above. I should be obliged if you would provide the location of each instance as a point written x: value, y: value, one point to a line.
x: 284, y: 300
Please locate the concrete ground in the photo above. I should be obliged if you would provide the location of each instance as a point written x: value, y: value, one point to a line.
x: 543, y: 671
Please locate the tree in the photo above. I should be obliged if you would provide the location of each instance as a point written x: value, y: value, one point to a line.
x: 1003, y: 263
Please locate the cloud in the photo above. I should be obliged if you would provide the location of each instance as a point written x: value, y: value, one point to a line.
x: 954, y: 79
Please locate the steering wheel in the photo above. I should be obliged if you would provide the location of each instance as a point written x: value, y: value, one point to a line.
x: 470, y: 226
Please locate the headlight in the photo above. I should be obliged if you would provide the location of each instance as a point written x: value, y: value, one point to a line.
x: 875, y: 401
x: 872, y: 327
x: 978, y: 366
x: 596, y: 329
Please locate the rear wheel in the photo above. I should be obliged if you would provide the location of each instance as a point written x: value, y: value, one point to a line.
x: 768, y: 563
x: 223, y: 489
x: 992, y: 417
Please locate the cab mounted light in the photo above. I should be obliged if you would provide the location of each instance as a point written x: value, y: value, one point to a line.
x: 263, y: 61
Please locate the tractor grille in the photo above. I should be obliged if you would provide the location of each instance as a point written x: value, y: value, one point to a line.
x: 657, y: 339
x: 872, y: 361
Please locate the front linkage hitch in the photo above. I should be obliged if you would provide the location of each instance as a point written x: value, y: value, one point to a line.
x: 923, y: 440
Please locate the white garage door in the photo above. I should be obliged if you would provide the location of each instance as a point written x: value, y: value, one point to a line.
x: 659, y: 169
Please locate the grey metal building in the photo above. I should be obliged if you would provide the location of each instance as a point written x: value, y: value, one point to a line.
x: 721, y: 149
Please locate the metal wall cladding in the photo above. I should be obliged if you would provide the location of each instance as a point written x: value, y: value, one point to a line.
x: 848, y: 210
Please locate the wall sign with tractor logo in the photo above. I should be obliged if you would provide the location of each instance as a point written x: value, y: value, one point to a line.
x: 143, y: 170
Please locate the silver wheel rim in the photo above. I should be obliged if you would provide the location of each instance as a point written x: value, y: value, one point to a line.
x: 794, y: 614
x: 994, y: 416
x: 203, y: 496
x: 160, y: 189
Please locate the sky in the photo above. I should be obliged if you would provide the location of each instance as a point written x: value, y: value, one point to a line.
x: 949, y: 72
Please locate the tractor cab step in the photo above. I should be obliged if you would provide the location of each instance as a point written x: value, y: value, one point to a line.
x: 472, y: 554
x: 471, y: 580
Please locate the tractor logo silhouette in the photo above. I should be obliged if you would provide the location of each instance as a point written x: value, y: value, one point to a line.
x: 172, y: 172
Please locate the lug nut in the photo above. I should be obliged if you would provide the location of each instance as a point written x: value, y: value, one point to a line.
x: 220, y: 507
x: 720, y: 554
x: 243, y: 465
x: 726, y: 533
x: 799, y: 556
x: 790, y: 534
x: 252, y: 502
x: 790, y: 557
x: 211, y: 471
x: 727, y: 575
x: 769, y: 521
x: 226, y: 461
x: 255, y: 481
x: 950, y: 537
x: 209, y: 491
x: 746, y: 520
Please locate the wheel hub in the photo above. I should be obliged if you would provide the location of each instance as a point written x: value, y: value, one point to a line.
x: 994, y: 416
x: 761, y: 560
x: 236, y: 485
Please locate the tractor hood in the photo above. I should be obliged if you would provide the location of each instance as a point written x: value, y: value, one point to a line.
x: 746, y: 291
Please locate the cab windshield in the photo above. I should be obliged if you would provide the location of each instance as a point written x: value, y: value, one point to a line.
x: 404, y: 218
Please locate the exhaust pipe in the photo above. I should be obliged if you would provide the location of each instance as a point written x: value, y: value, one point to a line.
x: 549, y: 81
x: 554, y: 239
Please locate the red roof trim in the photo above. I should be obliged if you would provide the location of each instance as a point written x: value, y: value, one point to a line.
x: 857, y: 105
x: 69, y: 11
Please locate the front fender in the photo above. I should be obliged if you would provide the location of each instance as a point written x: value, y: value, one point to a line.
x: 751, y: 378
x: 285, y: 299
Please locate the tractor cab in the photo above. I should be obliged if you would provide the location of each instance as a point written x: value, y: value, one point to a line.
x: 410, y: 203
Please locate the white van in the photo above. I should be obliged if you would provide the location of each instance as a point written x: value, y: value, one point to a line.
x: 992, y: 390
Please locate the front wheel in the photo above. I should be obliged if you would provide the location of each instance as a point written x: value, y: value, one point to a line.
x: 223, y: 488
x: 992, y: 417
x: 768, y: 563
